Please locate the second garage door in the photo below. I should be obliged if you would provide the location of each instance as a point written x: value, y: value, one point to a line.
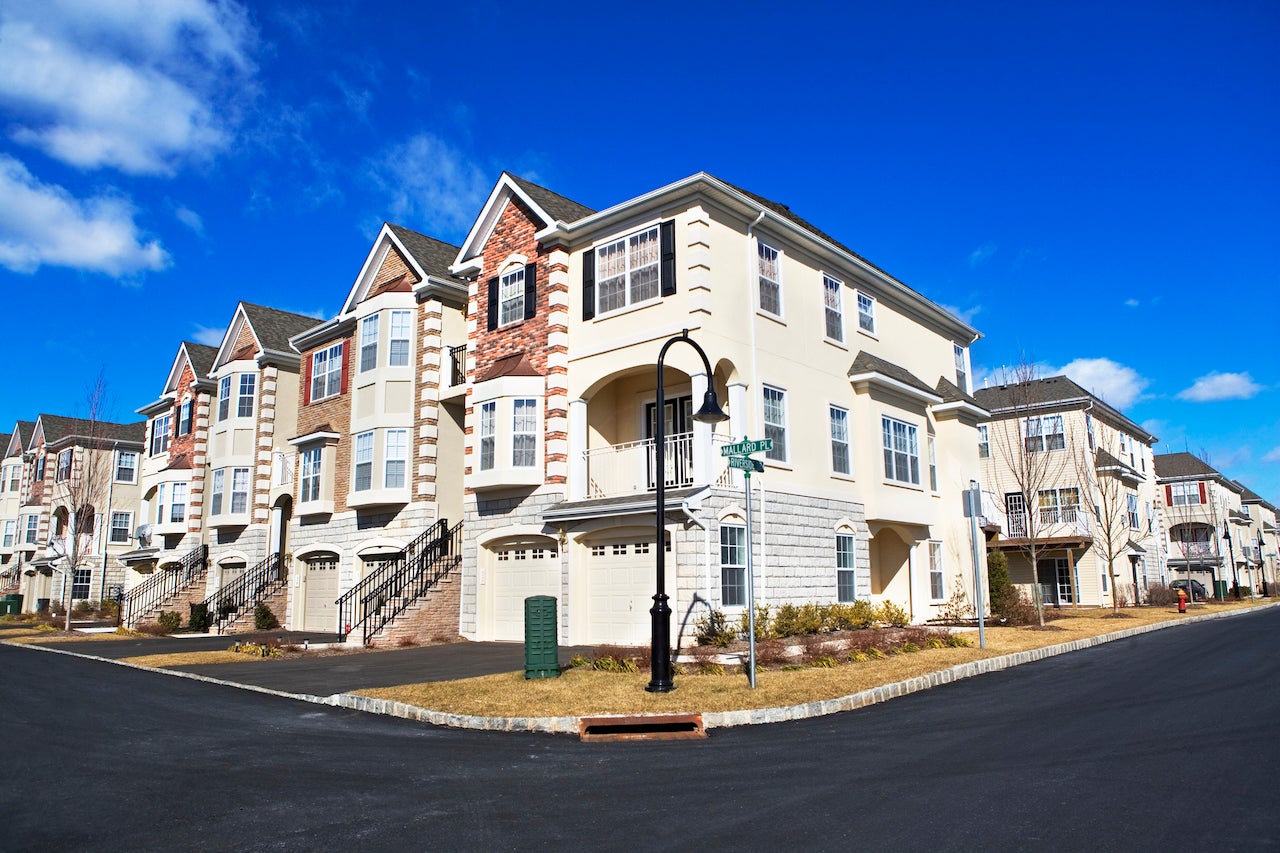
x: 620, y: 577
x: 320, y: 608
x: 520, y: 571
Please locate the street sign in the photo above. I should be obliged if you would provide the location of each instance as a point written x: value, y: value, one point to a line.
x: 744, y: 447
x: 746, y: 463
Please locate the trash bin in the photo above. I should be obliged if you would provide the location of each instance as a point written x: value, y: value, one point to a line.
x: 541, y: 653
x: 1220, y: 590
x: 15, y: 604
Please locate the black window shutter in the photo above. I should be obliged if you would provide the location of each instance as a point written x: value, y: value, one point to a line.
x: 530, y: 291
x: 588, y: 284
x: 667, y: 265
x: 493, y: 304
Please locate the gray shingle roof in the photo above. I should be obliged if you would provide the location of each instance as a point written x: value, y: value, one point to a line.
x: 950, y: 393
x: 1046, y: 392
x: 865, y: 362
x: 58, y: 428
x: 202, y: 358
x: 1172, y: 466
x: 434, y: 256
x: 274, y: 327
x: 561, y: 208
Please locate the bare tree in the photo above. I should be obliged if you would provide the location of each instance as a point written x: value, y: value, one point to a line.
x: 1111, y: 484
x: 1196, y: 517
x: 1034, y: 448
x: 80, y: 490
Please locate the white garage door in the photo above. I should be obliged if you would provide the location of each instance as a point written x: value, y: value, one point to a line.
x: 320, y: 609
x: 520, y: 571
x: 620, y: 578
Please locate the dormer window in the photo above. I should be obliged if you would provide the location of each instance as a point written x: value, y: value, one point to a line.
x: 511, y: 297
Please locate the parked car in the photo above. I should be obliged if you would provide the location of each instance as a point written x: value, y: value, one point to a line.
x: 1197, y: 591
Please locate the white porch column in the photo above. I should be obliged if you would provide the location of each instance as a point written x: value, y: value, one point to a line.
x: 577, y: 450
x: 701, y: 435
x: 738, y: 413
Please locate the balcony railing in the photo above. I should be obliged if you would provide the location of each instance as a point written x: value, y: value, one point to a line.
x: 282, y: 468
x: 628, y: 468
x: 457, y: 365
x: 1053, y: 522
x: 1192, y: 551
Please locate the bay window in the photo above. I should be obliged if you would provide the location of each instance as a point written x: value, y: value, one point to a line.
x: 364, y: 462
x: 369, y: 343
x: 398, y: 350
x: 396, y: 453
x: 901, y: 451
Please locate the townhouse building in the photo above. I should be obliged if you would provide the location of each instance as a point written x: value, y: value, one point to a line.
x: 1073, y: 476
x: 1259, y: 546
x: 375, y: 460
x: 17, y: 542
x: 82, y: 487
x: 1204, y: 514
x: 253, y: 413
x: 861, y: 383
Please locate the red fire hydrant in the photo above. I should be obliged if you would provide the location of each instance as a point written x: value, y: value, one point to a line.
x: 1182, y: 601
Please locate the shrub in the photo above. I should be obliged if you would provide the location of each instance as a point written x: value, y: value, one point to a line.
x: 405, y: 642
x: 578, y: 661
x: 151, y: 629
x: 199, y: 619
x: 959, y: 641
x: 812, y: 647
x: 957, y: 608
x: 1001, y: 589
x: 797, y: 621
x: 908, y: 647
x: 170, y: 621
x: 1161, y: 596
x: 771, y: 653
x: 824, y: 662
x: 763, y: 622
x: 1018, y: 610
x: 83, y: 608
x: 108, y: 608
x: 874, y: 653
x: 936, y: 643
x: 704, y: 661
x: 892, y: 614
x: 713, y: 629
x: 263, y: 618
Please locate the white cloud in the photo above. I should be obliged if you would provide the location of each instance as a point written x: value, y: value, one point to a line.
x: 1118, y: 384
x: 1132, y: 303
x: 1220, y: 386
x: 966, y: 315
x: 431, y: 186
x: 42, y: 224
x: 190, y: 218
x: 210, y: 336
x: 982, y: 254
x: 136, y: 86
x: 1272, y: 455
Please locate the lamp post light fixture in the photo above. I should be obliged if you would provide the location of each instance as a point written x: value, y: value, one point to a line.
x: 709, y: 413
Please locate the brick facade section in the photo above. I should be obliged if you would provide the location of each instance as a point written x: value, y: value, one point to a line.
x: 393, y: 266
x: 335, y: 412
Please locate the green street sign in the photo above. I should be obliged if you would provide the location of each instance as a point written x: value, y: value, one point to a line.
x: 746, y: 463
x: 744, y: 447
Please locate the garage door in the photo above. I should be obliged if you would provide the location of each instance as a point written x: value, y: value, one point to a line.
x: 620, y: 578
x: 520, y: 571
x: 320, y: 609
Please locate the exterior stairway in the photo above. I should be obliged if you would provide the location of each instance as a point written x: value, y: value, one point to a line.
x: 232, y: 606
x: 168, y: 589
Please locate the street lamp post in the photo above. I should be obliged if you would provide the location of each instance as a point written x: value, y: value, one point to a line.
x: 709, y: 413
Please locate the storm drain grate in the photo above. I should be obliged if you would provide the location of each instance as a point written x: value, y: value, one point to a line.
x: 642, y: 727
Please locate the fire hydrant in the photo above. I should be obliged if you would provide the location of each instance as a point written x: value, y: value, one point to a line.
x: 1182, y: 601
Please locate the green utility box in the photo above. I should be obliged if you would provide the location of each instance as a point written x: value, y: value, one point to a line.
x: 1220, y: 590
x: 541, y: 653
x: 11, y: 604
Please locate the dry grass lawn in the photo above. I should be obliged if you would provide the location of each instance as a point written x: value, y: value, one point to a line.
x: 190, y: 658
x: 579, y: 692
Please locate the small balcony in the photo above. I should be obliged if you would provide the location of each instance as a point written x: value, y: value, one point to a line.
x: 1065, y: 522
x: 629, y: 468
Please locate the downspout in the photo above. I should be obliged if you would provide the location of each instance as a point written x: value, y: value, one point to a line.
x: 755, y: 379
x: 106, y: 540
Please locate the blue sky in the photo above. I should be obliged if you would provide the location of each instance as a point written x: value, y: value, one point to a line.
x: 1094, y: 187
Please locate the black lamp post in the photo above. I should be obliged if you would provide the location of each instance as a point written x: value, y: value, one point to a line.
x: 709, y: 413
x: 1231, y: 552
x: 1262, y: 568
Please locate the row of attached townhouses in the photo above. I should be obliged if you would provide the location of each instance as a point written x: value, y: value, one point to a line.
x: 477, y: 425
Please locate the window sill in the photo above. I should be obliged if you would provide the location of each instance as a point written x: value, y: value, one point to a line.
x: 777, y: 318
x: 865, y: 333
x: 911, y: 487
x: 837, y: 344
x: 315, y: 508
x: 626, y: 309
x: 508, y: 476
x: 378, y: 497
x: 846, y: 478
x: 229, y: 519
x: 169, y: 528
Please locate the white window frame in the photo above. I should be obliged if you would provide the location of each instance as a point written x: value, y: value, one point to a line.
x: 846, y: 567
x: 733, y: 558
x: 900, y: 445
x: 310, y: 467
x: 625, y: 265
x: 401, y: 335
x: 1058, y: 510
x: 774, y: 427
x: 224, y: 398
x: 932, y: 441
x: 31, y: 529
x: 1132, y: 506
x: 368, y: 343
x: 833, y: 308
x: 395, y: 452
x: 246, y: 395
x: 838, y: 416
x: 984, y: 441
x: 511, y: 297
x: 178, y: 503
x: 524, y: 432
x: 239, y: 491
x: 131, y: 469
x: 962, y: 367
x: 488, y: 434
x: 185, y: 409
x: 161, y: 433
x: 162, y: 501
x: 127, y: 527
x: 769, y: 274
x: 1185, y: 494
x: 937, y: 583
x: 362, y: 467
x: 866, y: 313
x: 326, y: 372
x: 10, y: 533
x: 217, y: 491
x: 15, y: 477
x: 62, y: 472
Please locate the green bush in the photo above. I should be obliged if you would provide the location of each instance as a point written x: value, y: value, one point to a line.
x: 1001, y: 590
x: 170, y: 620
x: 714, y: 629
x: 199, y: 619
x: 797, y: 621
x: 891, y: 614
x: 764, y: 631
x: 263, y: 618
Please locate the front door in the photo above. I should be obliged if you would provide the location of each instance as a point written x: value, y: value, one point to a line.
x: 677, y: 425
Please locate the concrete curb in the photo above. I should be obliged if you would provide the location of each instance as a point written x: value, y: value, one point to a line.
x: 711, y: 719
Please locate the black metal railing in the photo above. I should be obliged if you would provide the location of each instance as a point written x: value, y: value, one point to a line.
x: 164, y: 584
x: 419, y: 574
x: 227, y: 604
x: 352, y: 610
x: 458, y: 365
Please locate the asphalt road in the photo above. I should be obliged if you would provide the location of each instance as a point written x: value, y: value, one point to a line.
x: 1160, y: 742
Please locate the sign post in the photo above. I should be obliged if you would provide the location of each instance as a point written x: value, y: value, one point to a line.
x: 740, y: 459
x: 973, y: 509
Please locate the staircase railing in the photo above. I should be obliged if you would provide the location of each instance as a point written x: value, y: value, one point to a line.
x: 164, y: 583
x: 227, y: 604
x: 411, y: 580
x: 351, y: 604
